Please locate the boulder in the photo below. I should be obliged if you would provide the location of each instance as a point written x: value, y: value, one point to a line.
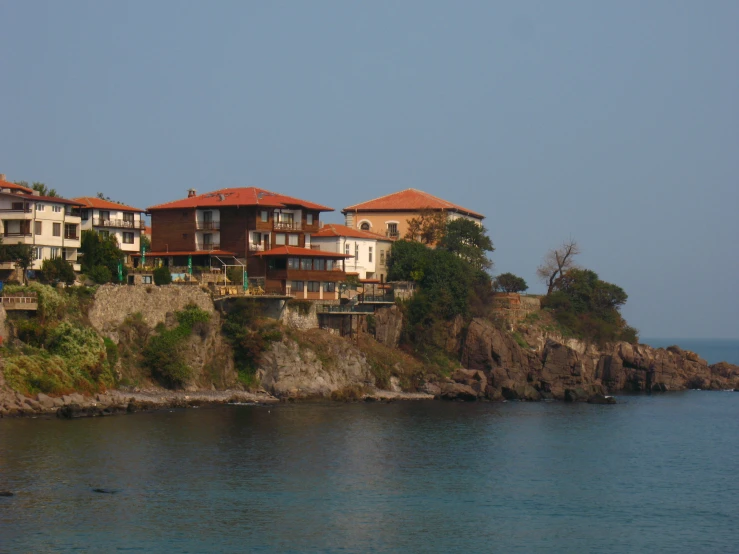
x: 457, y: 391
x: 46, y: 402
x: 521, y: 392
x: 601, y: 399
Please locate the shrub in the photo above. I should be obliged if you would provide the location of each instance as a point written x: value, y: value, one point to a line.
x: 100, y: 274
x: 162, y: 276
x: 57, y: 270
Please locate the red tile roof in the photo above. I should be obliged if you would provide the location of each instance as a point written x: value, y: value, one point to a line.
x: 13, y: 186
x: 409, y: 200
x: 335, y: 230
x: 301, y: 252
x: 34, y: 198
x: 245, y: 196
x: 94, y: 202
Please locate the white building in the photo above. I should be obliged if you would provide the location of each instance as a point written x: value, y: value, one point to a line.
x: 371, y: 251
x: 110, y: 218
x: 49, y: 224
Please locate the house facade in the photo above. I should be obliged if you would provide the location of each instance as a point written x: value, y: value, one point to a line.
x: 258, y: 228
x: 388, y: 215
x: 370, y: 252
x: 49, y: 224
x: 107, y: 218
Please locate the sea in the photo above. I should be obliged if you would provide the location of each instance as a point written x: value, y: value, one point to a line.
x: 653, y: 473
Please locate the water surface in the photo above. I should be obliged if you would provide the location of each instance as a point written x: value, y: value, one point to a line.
x: 652, y: 474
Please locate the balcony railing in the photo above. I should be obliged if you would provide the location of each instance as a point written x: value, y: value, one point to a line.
x: 288, y: 226
x: 26, y: 210
x: 20, y: 234
x: 207, y: 225
x: 210, y: 246
x: 120, y: 223
x: 71, y: 236
x: 256, y: 247
x: 392, y: 234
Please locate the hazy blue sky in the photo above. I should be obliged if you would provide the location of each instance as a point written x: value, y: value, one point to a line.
x: 616, y: 123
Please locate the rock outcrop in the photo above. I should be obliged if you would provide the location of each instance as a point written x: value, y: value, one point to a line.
x: 575, y: 371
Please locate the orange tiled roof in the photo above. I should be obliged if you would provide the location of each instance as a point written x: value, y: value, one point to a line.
x: 335, y: 230
x: 301, y: 252
x: 244, y: 196
x: 13, y: 186
x: 409, y: 200
x: 94, y: 202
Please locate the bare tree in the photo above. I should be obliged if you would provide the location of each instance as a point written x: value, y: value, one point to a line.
x: 557, y: 262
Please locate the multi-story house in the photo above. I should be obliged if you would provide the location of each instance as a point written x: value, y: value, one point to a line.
x: 107, y: 218
x: 370, y: 251
x: 264, y: 230
x: 49, y: 224
x: 389, y: 215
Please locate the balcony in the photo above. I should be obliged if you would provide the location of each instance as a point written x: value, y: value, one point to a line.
x: 392, y: 234
x: 20, y: 234
x: 71, y: 235
x: 210, y: 246
x: 256, y: 248
x: 118, y: 223
x: 207, y: 225
x: 26, y: 210
x: 288, y: 226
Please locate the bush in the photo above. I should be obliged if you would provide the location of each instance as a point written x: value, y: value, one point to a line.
x: 508, y: 282
x: 162, y: 276
x: 57, y: 270
x: 100, y: 274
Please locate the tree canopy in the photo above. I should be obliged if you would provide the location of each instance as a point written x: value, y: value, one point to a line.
x: 508, y: 282
x: 41, y: 188
x: 98, y: 250
x: 469, y: 241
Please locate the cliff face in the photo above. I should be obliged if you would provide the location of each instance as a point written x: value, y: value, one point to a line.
x: 554, y: 366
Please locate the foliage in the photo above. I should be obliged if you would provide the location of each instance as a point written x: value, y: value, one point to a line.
x: 508, y: 282
x: 469, y: 241
x: 249, y: 335
x: 80, y: 346
x: 557, y: 262
x: 407, y: 261
x: 100, y: 274
x: 21, y: 254
x: 303, y: 307
x: 98, y: 250
x: 41, y: 188
x: 52, y: 303
x: 163, y: 353
x: 57, y: 270
x: 145, y: 242
x: 162, y: 276
x: 589, y: 307
x: 428, y: 228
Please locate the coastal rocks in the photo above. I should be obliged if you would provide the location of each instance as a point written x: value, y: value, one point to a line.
x: 521, y: 392
x: 601, y: 399
x: 457, y: 391
x: 388, y: 326
x: 6, y: 493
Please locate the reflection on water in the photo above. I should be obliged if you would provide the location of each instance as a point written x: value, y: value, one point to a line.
x: 651, y: 474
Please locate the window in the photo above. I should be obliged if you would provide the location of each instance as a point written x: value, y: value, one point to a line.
x: 40, y: 207
x: 293, y: 240
x: 329, y: 287
x: 392, y: 230
x: 127, y: 238
x: 330, y: 265
x: 55, y: 252
x: 37, y: 227
x: 306, y: 264
x: 38, y: 252
x: 207, y: 240
x: 346, y: 249
x: 314, y: 286
x: 85, y: 214
x: 104, y: 215
x: 365, y: 226
x: 298, y: 286
x: 319, y: 264
x: 256, y: 239
x: 370, y: 254
x: 56, y: 208
x: 280, y: 239
x: 128, y: 217
x: 356, y: 251
x: 309, y: 219
x: 265, y: 216
x: 293, y: 263
x: 382, y: 257
x: 146, y: 279
x: 70, y: 231
x: 57, y: 229
x: 18, y: 207
x: 104, y: 234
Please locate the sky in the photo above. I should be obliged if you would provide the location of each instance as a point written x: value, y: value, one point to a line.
x: 613, y: 123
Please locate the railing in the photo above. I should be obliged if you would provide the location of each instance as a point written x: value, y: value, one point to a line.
x: 377, y: 298
x: 392, y: 234
x: 288, y: 226
x: 122, y: 223
x: 207, y: 225
x: 20, y: 234
x: 211, y: 246
x: 20, y: 301
x: 256, y: 247
x: 71, y: 236
x: 26, y: 210
x: 343, y: 309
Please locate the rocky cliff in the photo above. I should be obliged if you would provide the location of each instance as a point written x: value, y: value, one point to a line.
x: 551, y: 367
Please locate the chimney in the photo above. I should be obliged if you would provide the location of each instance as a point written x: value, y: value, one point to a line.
x: 2, y: 177
x: 191, y: 193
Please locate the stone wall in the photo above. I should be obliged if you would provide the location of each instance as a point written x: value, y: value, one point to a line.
x: 515, y: 307
x: 296, y: 317
x: 113, y: 303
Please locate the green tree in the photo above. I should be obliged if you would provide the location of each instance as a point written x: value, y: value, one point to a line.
x: 407, y: 261
x: 162, y: 276
x: 56, y: 270
x: 428, y: 228
x: 145, y: 243
x: 21, y: 254
x: 508, y: 282
x: 469, y: 241
x: 41, y: 188
x: 98, y: 250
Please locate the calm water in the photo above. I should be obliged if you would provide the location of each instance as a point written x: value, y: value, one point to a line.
x: 711, y: 350
x: 652, y: 474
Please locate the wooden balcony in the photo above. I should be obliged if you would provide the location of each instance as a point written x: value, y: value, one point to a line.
x: 201, y: 225
x: 288, y: 226
x: 210, y: 246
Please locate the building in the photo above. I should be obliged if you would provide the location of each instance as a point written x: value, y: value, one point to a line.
x: 49, y: 224
x: 370, y: 251
x: 262, y: 229
x: 125, y: 223
x: 389, y: 215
